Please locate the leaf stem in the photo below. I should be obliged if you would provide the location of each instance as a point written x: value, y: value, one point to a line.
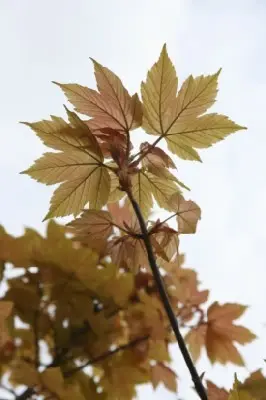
x: 144, y: 153
x: 166, y: 302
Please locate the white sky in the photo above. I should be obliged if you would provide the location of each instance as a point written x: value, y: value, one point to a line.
x: 53, y: 40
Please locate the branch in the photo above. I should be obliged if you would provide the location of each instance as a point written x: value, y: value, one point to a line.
x: 166, y: 302
x: 106, y: 354
x: 30, y: 391
x: 142, y: 154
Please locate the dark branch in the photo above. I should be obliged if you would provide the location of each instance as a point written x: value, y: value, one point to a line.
x: 166, y: 302
x: 106, y: 354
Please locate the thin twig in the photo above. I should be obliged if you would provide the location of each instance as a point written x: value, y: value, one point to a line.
x: 166, y: 302
x: 106, y: 354
x: 142, y: 154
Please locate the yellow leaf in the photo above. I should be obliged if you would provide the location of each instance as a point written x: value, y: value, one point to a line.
x: 238, y: 394
x: 200, y: 133
x: 162, y: 189
x: 158, y: 95
x: 115, y: 193
x: 80, y: 168
x: 179, y: 118
x: 141, y: 190
x: 60, y: 135
x: 122, y: 287
x: 145, y: 185
x: 222, y: 332
x: 158, y: 351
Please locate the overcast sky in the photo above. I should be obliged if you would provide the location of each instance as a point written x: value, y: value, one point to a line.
x: 41, y: 41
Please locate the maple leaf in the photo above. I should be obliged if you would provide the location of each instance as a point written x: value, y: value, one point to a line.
x: 165, y: 241
x: 79, y: 166
x: 188, y: 213
x: 158, y: 351
x: 146, y: 185
x: 121, y: 215
x: 154, y: 156
x: 112, y: 143
x: 113, y: 107
x: 255, y: 385
x: 115, y: 193
x: 195, y: 340
x: 160, y: 373
x: 93, y: 228
x: 216, y: 393
x: 237, y: 393
x: 221, y: 333
x: 179, y: 118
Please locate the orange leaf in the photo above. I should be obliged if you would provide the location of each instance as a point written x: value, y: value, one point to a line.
x: 163, y: 374
x: 113, y: 107
x: 216, y: 393
x: 195, y: 340
x: 220, y: 349
x: 92, y: 228
x: 188, y: 213
x: 155, y: 157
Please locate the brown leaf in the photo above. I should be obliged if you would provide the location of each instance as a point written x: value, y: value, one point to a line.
x: 163, y: 374
x: 188, y: 213
x: 255, y: 385
x: 5, y: 311
x: 195, y: 340
x: 154, y: 156
x: 222, y: 333
x: 120, y: 214
x: 92, y: 228
x: 216, y: 393
x: 113, y: 107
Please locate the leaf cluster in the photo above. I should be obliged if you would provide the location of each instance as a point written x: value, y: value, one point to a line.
x: 82, y: 316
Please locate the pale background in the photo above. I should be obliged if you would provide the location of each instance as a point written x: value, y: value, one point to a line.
x: 41, y: 41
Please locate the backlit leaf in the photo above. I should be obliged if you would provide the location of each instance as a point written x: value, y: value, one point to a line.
x: 238, y: 394
x: 163, y: 374
x: 195, y: 340
x: 216, y: 393
x: 255, y: 385
x: 178, y: 118
x: 188, y: 213
x: 93, y: 228
x: 81, y: 169
x: 145, y: 185
x: 113, y: 107
x: 222, y: 333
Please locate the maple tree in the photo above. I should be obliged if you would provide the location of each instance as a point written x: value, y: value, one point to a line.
x: 110, y: 290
